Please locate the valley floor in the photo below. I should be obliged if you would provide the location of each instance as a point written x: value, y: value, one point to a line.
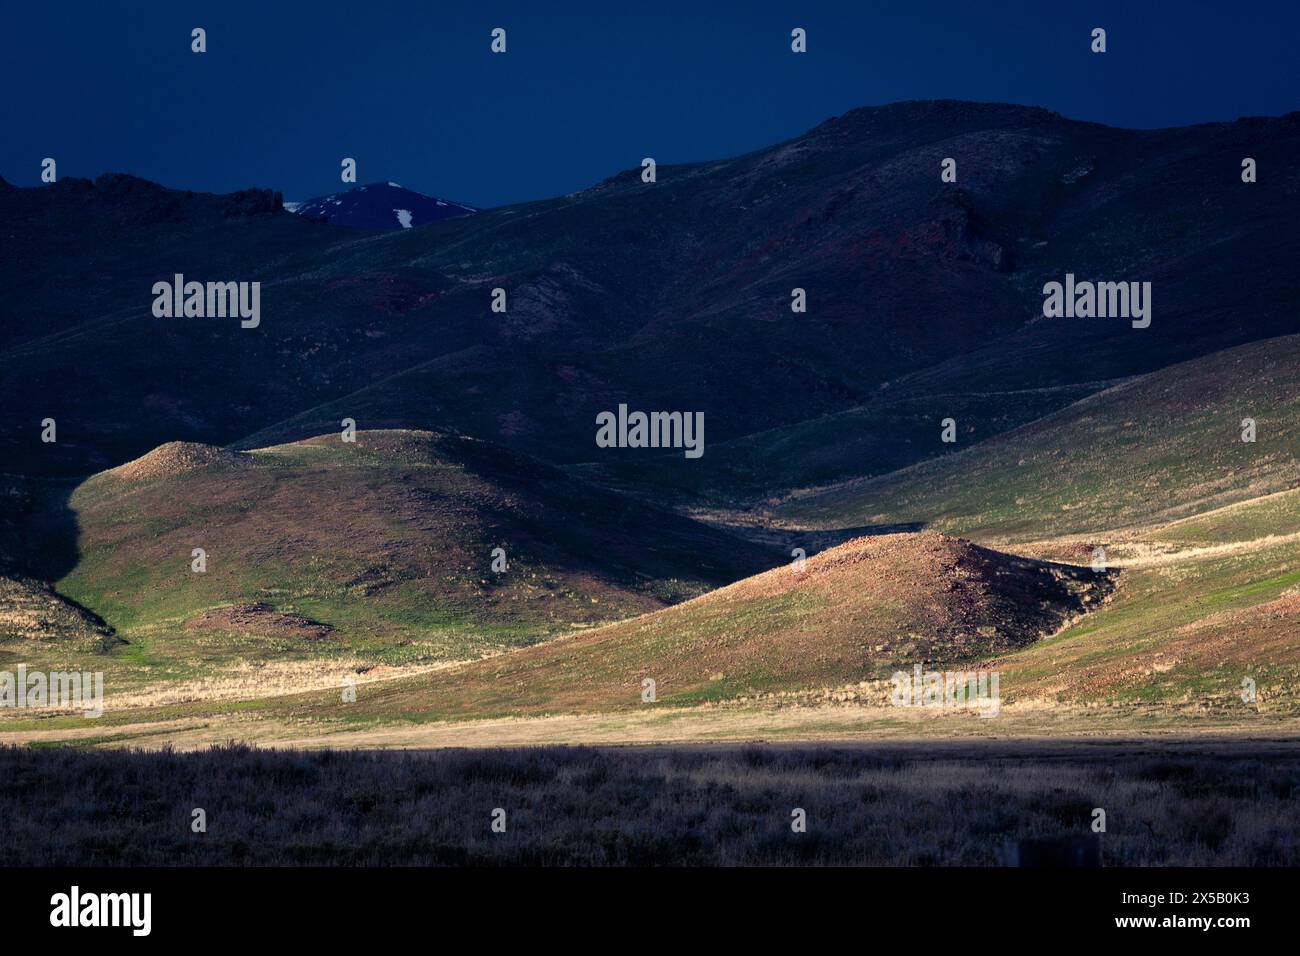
x: 1206, y: 801
x: 805, y: 723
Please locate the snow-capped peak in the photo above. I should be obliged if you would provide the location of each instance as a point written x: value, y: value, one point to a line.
x: 384, y: 205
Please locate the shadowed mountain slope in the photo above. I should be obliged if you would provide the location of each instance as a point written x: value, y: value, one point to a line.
x: 673, y: 295
x: 903, y: 273
x: 1154, y: 449
x: 871, y: 439
x: 78, y: 342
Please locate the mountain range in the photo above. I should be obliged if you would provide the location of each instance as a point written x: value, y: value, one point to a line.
x: 948, y: 458
x: 923, y: 296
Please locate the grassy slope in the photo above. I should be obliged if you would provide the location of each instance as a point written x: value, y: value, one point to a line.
x: 1162, y: 447
x: 388, y: 540
x: 856, y: 612
x: 1173, y: 643
x: 1180, y: 633
x: 1155, y: 471
x: 1176, y: 637
x: 1276, y: 514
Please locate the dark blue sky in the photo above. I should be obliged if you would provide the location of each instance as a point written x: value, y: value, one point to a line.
x: 586, y: 89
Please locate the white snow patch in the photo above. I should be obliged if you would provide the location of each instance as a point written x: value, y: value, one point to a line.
x: 396, y: 185
x: 292, y: 206
x: 404, y: 217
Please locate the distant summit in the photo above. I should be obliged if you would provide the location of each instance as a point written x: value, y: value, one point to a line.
x: 379, y: 206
